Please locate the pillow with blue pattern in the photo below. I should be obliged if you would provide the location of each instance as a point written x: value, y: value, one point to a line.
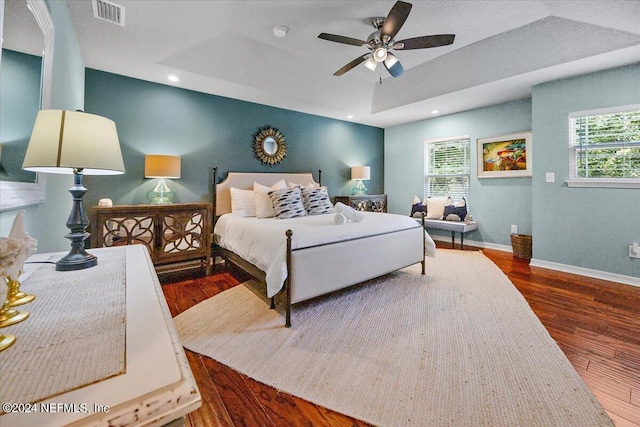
x: 287, y: 203
x: 457, y: 212
x: 316, y: 201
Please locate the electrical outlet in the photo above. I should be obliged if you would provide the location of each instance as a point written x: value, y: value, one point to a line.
x: 634, y: 250
x: 514, y: 229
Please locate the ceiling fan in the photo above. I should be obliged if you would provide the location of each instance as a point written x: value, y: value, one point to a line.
x: 381, y: 41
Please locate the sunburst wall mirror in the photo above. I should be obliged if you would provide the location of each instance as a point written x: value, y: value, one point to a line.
x: 270, y: 146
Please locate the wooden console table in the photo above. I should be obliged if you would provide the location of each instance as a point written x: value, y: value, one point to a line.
x: 177, y: 236
x: 157, y: 387
x: 368, y: 202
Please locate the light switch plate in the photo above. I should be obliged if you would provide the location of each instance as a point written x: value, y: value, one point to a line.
x: 551, y: 177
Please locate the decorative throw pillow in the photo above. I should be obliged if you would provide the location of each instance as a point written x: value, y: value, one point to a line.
x: 294, y: 185
x: 435, y: 207
x: 287, y: 203
x: 457, y: 212
x: 316, y: 201
x: 417, y: 208
x: 243, y: 202
x: 264, y: 207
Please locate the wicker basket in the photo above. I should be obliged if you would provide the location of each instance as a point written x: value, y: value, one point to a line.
x: 521, y: 244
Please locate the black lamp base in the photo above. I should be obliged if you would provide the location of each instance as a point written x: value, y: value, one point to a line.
x: 77, y: 258
x: 77, y: 261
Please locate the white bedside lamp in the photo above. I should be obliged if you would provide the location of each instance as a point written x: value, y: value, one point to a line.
x: 360, y: 173
x: 160, y: 166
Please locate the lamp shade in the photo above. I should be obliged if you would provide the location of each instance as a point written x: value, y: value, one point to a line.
x: 62, y: 141
x: 160, y: 166
x: 360, y: 172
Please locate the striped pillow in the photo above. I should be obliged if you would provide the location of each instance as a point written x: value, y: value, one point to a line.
x: 316, y: 201
x: 287, y: 203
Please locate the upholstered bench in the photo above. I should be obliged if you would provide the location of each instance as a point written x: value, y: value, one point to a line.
x: 461, y: 227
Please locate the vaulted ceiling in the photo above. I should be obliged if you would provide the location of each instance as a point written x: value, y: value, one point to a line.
x: 228, y: 48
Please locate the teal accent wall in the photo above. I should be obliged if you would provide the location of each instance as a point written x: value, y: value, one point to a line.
x: 207, y: 130
x: 19, y: 105
x: 584, y: 227
x: 46, y: 221
x: 496, y: 203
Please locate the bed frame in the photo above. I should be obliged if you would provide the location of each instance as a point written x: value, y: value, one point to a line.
x: 401, y: 248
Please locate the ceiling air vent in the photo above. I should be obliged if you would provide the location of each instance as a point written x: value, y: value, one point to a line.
x: 108, y: 11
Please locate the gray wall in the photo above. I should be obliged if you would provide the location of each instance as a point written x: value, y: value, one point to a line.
x: 207, y: 130
x: 46, y: 221
x: 496, y: 203
x: 584, y: 227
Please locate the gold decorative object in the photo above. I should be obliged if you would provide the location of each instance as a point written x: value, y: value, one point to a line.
x: 9, y: 316
x: 269, y: 146
x: 15, y: 296
x: 5, y: 340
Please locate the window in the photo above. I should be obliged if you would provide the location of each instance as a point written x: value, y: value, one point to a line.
x: 446, y: 167
x: 605, y: 147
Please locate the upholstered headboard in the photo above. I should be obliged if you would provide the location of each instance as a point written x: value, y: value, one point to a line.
x: 245, y: 180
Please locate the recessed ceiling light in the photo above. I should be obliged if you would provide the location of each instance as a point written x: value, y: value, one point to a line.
x: 173, y: 78
x: 435, y: 112
x: 350, y: 116
x: 280, y: 31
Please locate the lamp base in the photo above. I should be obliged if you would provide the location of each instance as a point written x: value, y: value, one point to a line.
x: 77, y: 258
x: 360, y: 189
x: 161, y: 194
x: 76, y: 261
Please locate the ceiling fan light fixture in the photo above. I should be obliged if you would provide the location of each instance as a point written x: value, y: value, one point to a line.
x: 380, y: 54
x: 391, y: 60
x: 371, y: 63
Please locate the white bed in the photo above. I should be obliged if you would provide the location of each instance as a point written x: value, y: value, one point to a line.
x: 310, y: 256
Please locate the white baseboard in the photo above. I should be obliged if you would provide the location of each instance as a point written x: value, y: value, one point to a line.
x: 474, y: 243
x: 581, y: 271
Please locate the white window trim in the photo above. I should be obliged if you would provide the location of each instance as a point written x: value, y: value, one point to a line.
x: 576, y: 182
x: 446, y: 139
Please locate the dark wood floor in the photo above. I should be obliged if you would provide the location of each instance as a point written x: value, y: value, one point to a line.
x: 595, y: 322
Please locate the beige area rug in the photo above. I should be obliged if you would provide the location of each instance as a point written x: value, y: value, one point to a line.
x: 457, y: 347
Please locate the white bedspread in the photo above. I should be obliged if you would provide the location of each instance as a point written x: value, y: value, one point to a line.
x: 262, y: 241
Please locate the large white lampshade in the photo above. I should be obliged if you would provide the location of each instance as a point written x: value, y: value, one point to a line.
x: 73, y: 142
x: 62, y: 141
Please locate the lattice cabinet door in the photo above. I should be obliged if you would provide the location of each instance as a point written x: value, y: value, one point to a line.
x: 128, y: 230
x: 182, y: 232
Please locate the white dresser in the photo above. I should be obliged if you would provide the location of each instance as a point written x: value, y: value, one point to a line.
x: 157, y: 386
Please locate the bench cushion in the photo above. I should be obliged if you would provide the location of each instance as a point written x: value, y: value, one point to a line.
x: 459, y: 226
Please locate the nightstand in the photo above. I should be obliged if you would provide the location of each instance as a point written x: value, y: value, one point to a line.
x: 368, y: 202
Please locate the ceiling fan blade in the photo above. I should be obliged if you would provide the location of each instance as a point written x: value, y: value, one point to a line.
x: 395, y: 20
x: 393, y: 66
x: 342, y: 39
x: 359, y: 60
x: 426, y: 42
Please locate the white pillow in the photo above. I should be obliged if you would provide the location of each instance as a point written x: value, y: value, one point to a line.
x: 243, y: 202
x: 435, y: 206
x: 264, y: 207
x: 309, y: 185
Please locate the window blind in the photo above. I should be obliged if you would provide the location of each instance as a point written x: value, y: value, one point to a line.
x: 447, y: 167
x: 605, y: 145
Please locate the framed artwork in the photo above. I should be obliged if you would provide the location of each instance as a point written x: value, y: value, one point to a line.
x: 504, y: 156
